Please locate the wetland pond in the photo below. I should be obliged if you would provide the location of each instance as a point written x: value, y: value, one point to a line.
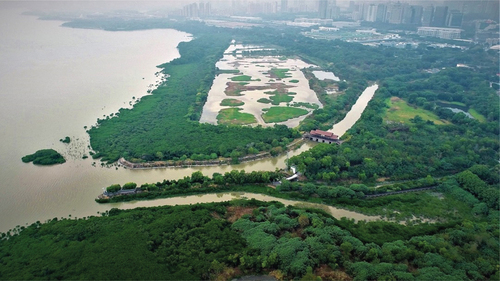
x: 323, y: 75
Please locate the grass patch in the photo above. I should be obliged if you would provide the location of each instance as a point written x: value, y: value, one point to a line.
x: 228, y: 71
x: 294, y: 81
x: 233, y: 116
x: 231, y: 102
x: 279, y: 73
x: 280, y: 114
x: 278, y: 97
x: 478, y: 116
x: 423, y: 205
x: 241, y: 78
x: 400, y: 111
x: 305, y: 104
x: 264, y: 100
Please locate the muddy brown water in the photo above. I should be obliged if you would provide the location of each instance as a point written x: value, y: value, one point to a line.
x: 53, y: 82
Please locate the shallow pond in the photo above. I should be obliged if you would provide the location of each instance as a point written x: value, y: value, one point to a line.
x: 322, y: 75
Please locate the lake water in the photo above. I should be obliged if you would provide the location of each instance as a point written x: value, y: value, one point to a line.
x: 53, y: 82
x: 322, y: 75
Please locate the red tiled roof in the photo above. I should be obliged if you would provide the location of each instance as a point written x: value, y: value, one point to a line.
x: 324, y: 134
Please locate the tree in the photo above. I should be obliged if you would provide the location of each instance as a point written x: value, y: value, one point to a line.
x: 303, y: 220
x: 113, y: 188
x: 197, y: 177
x: 309, y: 189
x: 130, y: 185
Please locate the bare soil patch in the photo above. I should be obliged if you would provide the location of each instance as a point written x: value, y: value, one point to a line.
x: 235, y: 89
x: 236, y: 212
x: 326, y: 273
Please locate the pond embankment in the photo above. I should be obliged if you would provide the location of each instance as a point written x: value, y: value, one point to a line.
x: 205, y: 163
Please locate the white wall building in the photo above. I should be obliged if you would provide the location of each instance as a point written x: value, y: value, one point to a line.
x: 440, y: 32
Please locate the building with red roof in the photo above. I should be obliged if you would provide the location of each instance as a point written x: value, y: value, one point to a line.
x: 323, y: 136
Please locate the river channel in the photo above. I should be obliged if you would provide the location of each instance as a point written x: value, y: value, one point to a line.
x: 53, y: 82
x: 228, y: 196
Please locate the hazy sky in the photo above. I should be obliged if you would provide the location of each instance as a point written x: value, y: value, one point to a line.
x: 106, y: 5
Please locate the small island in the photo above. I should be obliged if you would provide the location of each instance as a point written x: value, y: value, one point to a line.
x: 44, y: 157
x: 65, y: 140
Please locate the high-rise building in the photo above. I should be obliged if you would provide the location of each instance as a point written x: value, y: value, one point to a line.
x: 412, y: 14
x: 395, y: 13
x: 407, y: 14
x: 381, y: 13
x: 201, y: 9
x: 454, y: 19
x: 327, y: 9
x: 208, y: 9
x: 417, y: 14
x: 370, y: 12
x: 427, y: 15
x: 190, y: 11
x: 439, y: 19
x: 441, y: 32
x: 352, y: 6
x: 322, y: 9
x: 284, y: 6
x: 493, y: 10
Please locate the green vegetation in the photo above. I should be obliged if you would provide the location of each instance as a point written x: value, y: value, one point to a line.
x: 231, y: 102
x: 65, y: 140
x: 168, y: 243
x: 305, y: 104
x: 228, y: 71
x: 113, y: 188
x: 400, y: 111
x: 241, y: 78
x: 163, y: 126
x: 277, y: 97
x: 264, y: 100
x: 279, y: 114
x: 221, y: 241
x: 279, y: 73
x: 233, y: 116
x: 197, y: 183
x: 479, y: 117
x: 44, y: 157
x: 294, y: 81
x: 376, y: 148
x: 129, y: 185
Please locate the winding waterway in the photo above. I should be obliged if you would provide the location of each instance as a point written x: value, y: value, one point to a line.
x: 228, y: 196
x: 355, y: 113
x: 53, y: 82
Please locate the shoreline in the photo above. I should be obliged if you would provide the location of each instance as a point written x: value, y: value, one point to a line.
x: 205, y: 163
